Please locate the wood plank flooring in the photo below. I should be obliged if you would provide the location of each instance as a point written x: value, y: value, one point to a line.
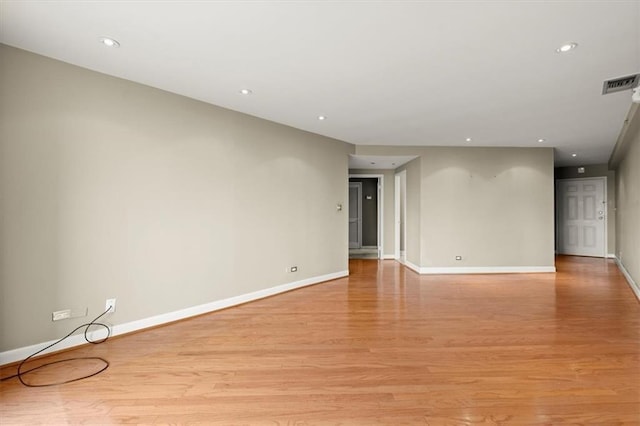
x: 384, y: 346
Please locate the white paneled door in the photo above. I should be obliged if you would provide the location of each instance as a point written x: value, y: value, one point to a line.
x: 581, y: 214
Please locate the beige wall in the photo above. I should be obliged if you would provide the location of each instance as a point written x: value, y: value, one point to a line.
x: 628, y: 200
x: 114, y: 189
x: 492, y: 206
x: 598, y: 170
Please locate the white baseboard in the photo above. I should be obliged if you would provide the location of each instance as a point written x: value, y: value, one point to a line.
x: 634, y: 286
x: 388, y: 256
x: 18, y: 354
x: 481, y: 269
x: 412, y: 266
x: 488, y: 270
x: 611, y: 256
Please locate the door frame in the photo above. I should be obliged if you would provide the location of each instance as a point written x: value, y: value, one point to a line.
x: 605, y: 209
x: 380, y: 205
x: 400, y: 179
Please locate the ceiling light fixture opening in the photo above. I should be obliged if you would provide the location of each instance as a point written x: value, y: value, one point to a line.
x: 109, y: 42
x: 322, y: 117
x: 541, y: 140
x: 245, y: 91
x: 567, y: 47
x: 574, y: 155
x: 468, y: 139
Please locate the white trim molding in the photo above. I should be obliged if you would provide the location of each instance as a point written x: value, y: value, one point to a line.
x: 19, y: 354
x: 431, y: 270
x: 634, y: 286
x: 489, y: 270
x: 388, y: 256
x: 412, y: 266
x: 611, y: 256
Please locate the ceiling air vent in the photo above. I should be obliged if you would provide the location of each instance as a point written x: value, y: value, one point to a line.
x: 620, y: 84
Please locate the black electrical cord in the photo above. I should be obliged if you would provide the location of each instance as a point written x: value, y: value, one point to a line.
x: 21, y: 373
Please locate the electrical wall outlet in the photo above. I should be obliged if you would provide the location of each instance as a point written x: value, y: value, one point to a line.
x: 110, y: 305
x: 60, y: 315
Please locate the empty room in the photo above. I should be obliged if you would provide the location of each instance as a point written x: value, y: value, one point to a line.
x: 320, y: 212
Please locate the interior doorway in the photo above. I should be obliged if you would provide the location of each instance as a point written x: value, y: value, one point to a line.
x: 581, y: 216
x: 400, y: 216
x: 365, y: 216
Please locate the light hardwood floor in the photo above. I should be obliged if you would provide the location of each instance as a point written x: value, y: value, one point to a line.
x: 384, y: 346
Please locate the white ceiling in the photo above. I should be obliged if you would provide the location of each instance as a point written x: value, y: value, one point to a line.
x: 378, y: 162
x: 383, y: 72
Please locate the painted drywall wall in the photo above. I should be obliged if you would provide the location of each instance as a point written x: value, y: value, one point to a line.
x: 492, y: 206
x: 111, y: 189
x: 598, y: 170
x: 628, y: 201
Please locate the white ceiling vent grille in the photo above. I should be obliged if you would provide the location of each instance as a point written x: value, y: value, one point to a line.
x: 620, y: 84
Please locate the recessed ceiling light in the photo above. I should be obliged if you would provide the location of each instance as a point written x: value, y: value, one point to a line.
x: 574, y: 155
x: 322, y: 117
x: 245, y: 91
x: 567, y: 47
x: 468, y: 139
x: 541, y: 140
x: 109, y: 42
x: 373, y: 162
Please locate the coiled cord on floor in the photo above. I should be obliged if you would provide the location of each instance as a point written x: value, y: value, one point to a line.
x: 20, y: 374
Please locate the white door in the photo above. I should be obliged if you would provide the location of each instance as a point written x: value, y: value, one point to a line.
x: 581, y: 205
x: 355, y: 215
